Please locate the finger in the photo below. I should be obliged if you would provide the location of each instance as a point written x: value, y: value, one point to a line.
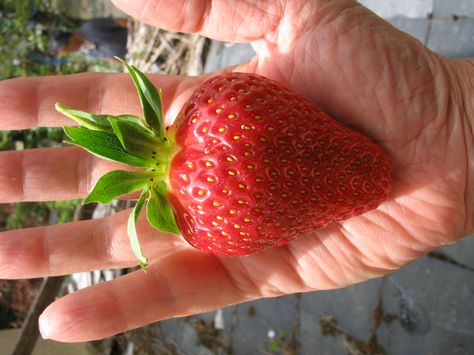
x: 79, y: 246
x: 180, y: 284
x: 47, y: 174
x: 29, y: 102
x: 236, y: 21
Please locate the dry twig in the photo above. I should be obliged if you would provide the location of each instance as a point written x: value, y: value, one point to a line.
x: 152, y: 49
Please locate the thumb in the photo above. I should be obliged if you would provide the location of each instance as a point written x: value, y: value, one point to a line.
x: 225, y: 20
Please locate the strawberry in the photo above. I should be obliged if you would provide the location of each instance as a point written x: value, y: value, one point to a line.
x: 248, y: 164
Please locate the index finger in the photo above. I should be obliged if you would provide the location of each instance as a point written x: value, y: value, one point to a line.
x: 29, y: 102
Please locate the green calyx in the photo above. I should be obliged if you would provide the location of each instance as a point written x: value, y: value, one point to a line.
x: 139, y: 142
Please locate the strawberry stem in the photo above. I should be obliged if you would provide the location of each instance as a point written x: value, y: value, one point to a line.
x: 141, y: 142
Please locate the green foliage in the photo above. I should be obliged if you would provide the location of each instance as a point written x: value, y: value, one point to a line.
x: 18, y: 38
x: 88, y: 120
x: 159, y: 211
x: 24, y: 29
x: 31, y: 138
x: 32, y: 214
x: 150, y: 98
x: 133, y: 141
x: 132, y: 230
x: 118, y: 183
x: 280, y: 344
x: 105, y: 145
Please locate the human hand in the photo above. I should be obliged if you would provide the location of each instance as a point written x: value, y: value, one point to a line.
x: 352, y: 64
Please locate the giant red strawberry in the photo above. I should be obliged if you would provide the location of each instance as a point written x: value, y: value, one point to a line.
x: 248, y: 164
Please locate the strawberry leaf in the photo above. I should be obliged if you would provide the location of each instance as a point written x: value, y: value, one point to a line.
x: 150, y: 98
x: 135, y: 137
x: 132, y: 230
x: 117, y: 183
x: 159, y: 211
x: 105, y: 145
x: 85, y: 119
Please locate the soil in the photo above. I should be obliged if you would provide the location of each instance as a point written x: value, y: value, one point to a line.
x: 354, y: 346
x: 5, y: 211
x: 16, y: 297
x: 146, y: 340
x: 212, y: 338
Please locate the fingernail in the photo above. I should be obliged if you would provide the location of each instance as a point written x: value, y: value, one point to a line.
x: 44, y: 326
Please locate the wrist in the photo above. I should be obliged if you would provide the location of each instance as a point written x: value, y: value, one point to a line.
x: 464, y: 70
x: 463, y: 102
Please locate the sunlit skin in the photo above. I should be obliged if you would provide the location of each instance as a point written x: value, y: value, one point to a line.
x: 355, y: 66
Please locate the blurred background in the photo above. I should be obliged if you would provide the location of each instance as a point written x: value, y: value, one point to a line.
x: 425, y: 308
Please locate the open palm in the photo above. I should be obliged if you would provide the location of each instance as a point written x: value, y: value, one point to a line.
x: 345, y: 59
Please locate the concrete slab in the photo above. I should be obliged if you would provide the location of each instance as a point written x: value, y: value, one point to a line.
x: 393, y: 8
x: 443, y: 8
x: 452, y: 38
x: 265, y: 326
x: 434, y: 313
x: 8, y: 338
x: 184, y: 338
x: 351, y: 307
x: 223, y: 54
x: 418, y: 28
x: 462, y: 252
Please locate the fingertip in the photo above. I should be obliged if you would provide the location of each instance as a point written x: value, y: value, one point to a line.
x: 70, y: 321
x: 57, y: 322
x: 45, y: 328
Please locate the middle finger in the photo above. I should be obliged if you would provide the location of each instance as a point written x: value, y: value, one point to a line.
x: 46, y: 174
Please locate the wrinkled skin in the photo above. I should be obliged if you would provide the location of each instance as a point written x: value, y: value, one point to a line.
x: 345, y: 59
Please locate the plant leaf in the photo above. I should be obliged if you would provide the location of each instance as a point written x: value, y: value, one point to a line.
x: 105, y: 145
x: 132, y: 230
x: 135, y: 137
x: 117, y: 183
x: 85, y: 119
x: 159, y: 211
x: 150, y: 98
